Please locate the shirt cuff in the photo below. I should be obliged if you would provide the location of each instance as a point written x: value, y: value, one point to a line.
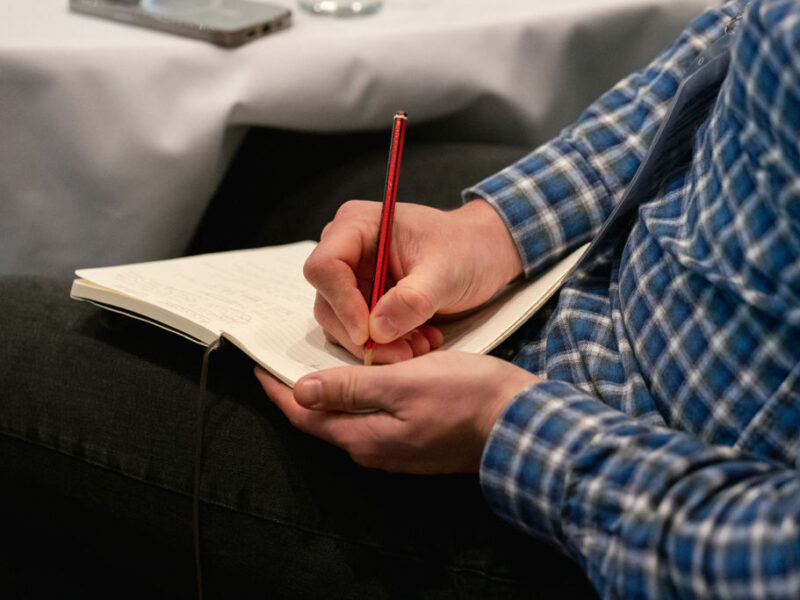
x: 551, y: 201
x: 526, y: 463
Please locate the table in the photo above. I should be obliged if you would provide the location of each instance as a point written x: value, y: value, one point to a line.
x: 115, y: 137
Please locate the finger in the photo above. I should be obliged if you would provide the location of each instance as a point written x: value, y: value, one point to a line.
x: 330, y: 268
x: 419, y: 343
x: 331, y: 325
x: 395, y: 351
x: 348, y: 389
x: 326, y: 230
x: 275, y: 389
x: 283, y: 396
x: 433, y: 335
x: 331, y: 339
x: 424, y: 339
x: 404, y: 307
x: 352, y: 432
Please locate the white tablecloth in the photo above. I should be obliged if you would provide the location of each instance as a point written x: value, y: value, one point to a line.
x: 115, y: 137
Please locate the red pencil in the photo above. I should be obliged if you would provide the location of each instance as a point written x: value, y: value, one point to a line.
x: 387, y: 218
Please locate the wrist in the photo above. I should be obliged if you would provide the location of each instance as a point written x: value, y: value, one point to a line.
x: 484, y: 223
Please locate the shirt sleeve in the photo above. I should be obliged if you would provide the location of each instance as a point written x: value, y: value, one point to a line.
x: 557, y: 197
x: 648, y: 512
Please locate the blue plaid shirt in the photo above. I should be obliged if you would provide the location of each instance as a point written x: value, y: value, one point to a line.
x: 662, y: 451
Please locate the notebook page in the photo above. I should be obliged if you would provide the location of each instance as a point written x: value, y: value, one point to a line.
x: 290, y: 349
x: 258, y: 298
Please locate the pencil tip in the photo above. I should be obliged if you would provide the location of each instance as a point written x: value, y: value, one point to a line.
x: 367, y: 357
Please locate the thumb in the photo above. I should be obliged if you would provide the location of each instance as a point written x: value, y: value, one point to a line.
x: 346, y: 389
x: 406, y: 306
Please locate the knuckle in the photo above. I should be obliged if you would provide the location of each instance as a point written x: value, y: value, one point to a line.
x: 417, y: 302
x: 348, y: 393
x: 348, y: 209
x: 314, y: 267
x: 418, y: 342
x: 321, y: 309
x: 325, y: 230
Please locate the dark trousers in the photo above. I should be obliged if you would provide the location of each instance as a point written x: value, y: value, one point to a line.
x: 97, y: 417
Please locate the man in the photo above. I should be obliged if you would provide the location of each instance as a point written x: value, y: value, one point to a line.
x: 648, y: 427
x: 651, y: 429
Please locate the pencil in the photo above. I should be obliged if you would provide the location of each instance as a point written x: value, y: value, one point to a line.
x: 387, y: 218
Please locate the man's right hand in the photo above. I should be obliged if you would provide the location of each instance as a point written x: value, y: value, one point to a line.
x: 440, y: 262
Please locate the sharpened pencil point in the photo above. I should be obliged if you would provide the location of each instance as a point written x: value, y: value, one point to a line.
x: 367, y: 357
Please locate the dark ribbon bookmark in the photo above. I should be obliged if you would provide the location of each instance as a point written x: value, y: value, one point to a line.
x: 198, y: 463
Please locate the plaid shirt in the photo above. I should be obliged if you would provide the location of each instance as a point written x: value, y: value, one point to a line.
x: 662, y: 451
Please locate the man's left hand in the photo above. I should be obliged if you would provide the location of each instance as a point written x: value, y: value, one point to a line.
x: 430, y: 414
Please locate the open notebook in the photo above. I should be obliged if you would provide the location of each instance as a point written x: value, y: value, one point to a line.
x: 258, y: 300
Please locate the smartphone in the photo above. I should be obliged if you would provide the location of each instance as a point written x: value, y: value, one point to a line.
x: 222, y: 22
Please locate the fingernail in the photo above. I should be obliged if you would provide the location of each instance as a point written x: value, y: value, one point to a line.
x: 386, y: 328
x: 359, y: 335
x: 309, y: 392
